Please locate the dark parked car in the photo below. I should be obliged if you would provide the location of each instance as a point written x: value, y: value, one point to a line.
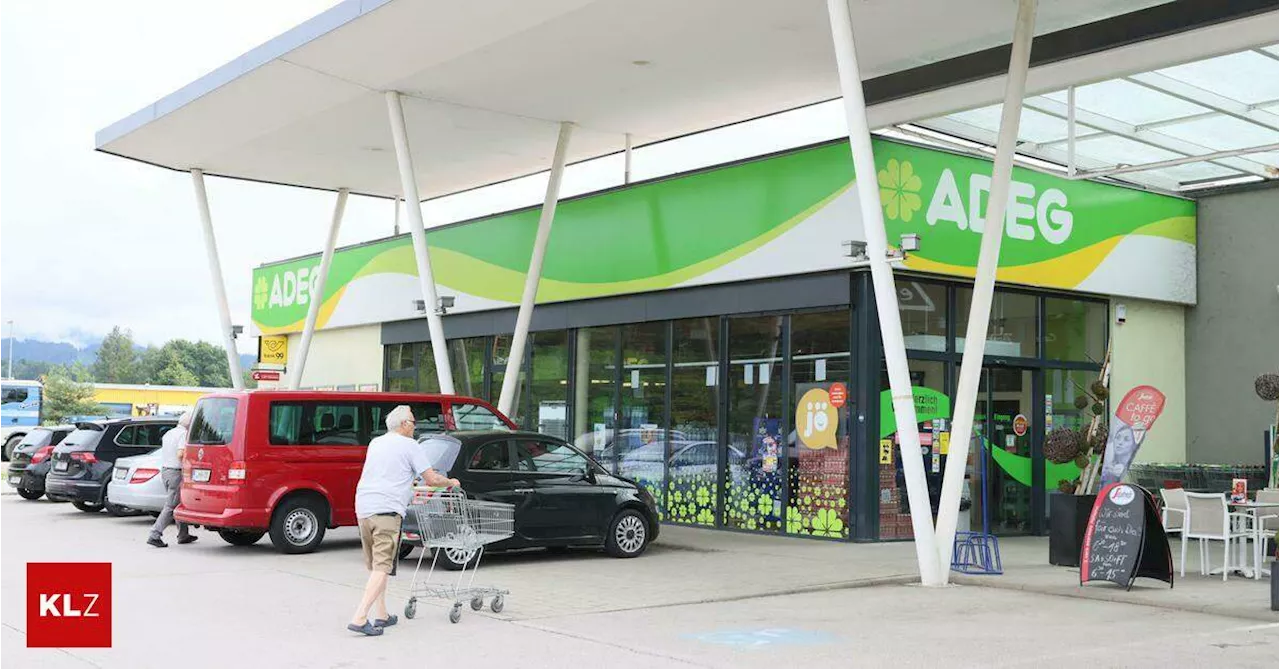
x: 82, y: 463
x: 29, y: 463
x: 562, y: 498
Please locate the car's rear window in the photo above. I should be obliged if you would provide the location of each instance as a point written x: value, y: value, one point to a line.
x: 214, y: 422
x: 37, y: 438
x: 476, y: 417
x: 81, y: 440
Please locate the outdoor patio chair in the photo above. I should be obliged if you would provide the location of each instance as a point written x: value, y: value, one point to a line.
x: 1210, y: 519
x: 1174, y: 514
x: 1268, y: 523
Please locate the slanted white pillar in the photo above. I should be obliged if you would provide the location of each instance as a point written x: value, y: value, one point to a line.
x: 317, y: 293
x: 895, y: 352
x: 413, y: 206
x: 215, y: 275
x: 975, y: 338
x: 511, y: 379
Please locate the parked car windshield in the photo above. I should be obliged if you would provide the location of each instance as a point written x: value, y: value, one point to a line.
x: 214, y: 422
x: 82, y: 439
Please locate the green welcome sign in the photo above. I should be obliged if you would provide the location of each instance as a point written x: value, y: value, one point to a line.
x: 782, y: 215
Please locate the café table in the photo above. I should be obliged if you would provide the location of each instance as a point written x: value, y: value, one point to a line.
x: 1252, y: 507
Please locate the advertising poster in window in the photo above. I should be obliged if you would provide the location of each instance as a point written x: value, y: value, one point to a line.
x: 819, y: 474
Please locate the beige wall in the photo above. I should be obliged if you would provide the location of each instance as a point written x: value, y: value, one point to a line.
x: 1148, y: 349
x: 346, y: 356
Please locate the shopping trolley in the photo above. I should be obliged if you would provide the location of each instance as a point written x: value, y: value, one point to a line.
x: 448, y: 521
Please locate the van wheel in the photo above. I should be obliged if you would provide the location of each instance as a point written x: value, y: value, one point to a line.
x: 298, y: 525
x: 406, y: 547
x: 10, y: 444
x: 628, y: 534
x: 30, y: 494
x: 87, y: 507
x: 240, y: 537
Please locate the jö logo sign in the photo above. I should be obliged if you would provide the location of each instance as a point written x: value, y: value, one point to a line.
x: 68, y: 604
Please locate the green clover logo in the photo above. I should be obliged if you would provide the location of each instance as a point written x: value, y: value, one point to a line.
x: 827, y: 523
x: 703, y: 496
x: 794, y: 520
x: 706, y: 517
x: 260, y: 293
x: 900, y: 190
x: 764, y: 505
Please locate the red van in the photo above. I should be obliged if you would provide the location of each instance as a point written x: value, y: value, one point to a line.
x: 287, y: 462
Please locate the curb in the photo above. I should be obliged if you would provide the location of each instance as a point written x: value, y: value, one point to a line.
x: 1097, y: 594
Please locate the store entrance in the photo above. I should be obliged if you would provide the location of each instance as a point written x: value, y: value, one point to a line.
x: 1004, y: 416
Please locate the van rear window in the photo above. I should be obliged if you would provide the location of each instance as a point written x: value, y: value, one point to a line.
x: 214, y: 422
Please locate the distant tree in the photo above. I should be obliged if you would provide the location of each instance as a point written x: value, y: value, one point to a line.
x: 65, y: 397
x: 30, y: 369
x: 209, y: 363
x: 117, y: 361
x: 176, y: 374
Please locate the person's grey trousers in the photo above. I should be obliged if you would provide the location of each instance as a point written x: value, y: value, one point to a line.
x: 172, y: 485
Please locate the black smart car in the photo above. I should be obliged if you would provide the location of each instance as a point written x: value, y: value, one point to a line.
x: 82, y: 463
x: 562, y: 498
x: 29, y: 462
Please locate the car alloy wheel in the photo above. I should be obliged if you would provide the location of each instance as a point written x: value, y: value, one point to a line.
x: 629, y: 534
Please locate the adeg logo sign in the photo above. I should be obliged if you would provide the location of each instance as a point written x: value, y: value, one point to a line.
x: 68, y: 604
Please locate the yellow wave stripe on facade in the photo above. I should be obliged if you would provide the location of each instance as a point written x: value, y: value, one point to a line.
x: 1069, y: 270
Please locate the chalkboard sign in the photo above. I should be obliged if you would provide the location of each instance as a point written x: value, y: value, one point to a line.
x: 1124, y: 539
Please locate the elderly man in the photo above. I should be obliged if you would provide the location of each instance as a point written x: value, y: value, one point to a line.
x: 383, y: 494
x: 171, y: 445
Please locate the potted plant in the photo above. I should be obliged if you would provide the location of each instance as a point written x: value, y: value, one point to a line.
x: 1070, y: 507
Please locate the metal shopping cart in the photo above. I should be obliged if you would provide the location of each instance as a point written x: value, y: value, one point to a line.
x: 448, y: 521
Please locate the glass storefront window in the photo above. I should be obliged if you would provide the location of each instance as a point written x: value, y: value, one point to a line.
x: 466, y: 357
x: 923, y: 309
x: 692, y: 486
x: 754, y: 467
x: 818, y: 450
x: 1075, y: 330
x: 594, y: 383
x: 929, y: 387
x: 640, y: 442
x: 399, y: 357
x: 1012, y: 329
x: 498, y: 371
x: 548, y: 394
x: 428, y: 381
x: 1061, y: 388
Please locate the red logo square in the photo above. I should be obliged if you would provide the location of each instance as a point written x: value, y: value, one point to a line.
x: 68, y: 604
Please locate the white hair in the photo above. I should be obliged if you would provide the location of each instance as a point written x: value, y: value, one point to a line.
x: 184, y: 419
x: 398, y: 415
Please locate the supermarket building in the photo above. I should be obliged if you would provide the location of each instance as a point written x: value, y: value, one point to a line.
x: 684, y: 325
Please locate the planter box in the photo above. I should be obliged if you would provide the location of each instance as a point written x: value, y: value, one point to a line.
x: 1068, y: 518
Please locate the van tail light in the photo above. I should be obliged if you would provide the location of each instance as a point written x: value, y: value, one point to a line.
x: 87, y: 457
x: 41, y: 454
x: 143, y: 475
x: 237, y: 471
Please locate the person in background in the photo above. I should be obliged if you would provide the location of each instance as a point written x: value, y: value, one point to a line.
x: 171, y: 445
x: 383, y: 494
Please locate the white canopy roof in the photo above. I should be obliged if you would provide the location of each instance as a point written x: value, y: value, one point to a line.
x: 488, y: 82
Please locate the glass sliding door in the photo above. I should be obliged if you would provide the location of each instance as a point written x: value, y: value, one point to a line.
x: 692, y: 485
x: 818, y: 447
x: 1004, y: 414
x: 547, y: 399
x: 641, y: 438
x: 754, y: 454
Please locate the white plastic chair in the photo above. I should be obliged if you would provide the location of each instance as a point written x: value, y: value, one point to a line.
x: 1174, y: 514
x: 1267, y: 523
x: 1210, y: 519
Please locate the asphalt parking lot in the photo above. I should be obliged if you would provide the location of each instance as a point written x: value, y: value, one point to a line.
x: 699, y: 599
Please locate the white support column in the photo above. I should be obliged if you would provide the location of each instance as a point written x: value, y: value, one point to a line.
x: 515, y: 360
x: 413, y: 206
x: 895, y: 354
x: 975, y: 338
x: 317, y: 293
x: 626, y: 161
x: 215, y: 276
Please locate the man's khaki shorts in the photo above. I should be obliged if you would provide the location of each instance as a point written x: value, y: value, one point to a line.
x: 380, y: 539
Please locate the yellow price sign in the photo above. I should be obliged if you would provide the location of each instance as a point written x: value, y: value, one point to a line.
x: 273, y: 349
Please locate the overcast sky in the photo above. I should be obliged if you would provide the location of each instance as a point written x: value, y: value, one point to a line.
x: 88, y: 241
